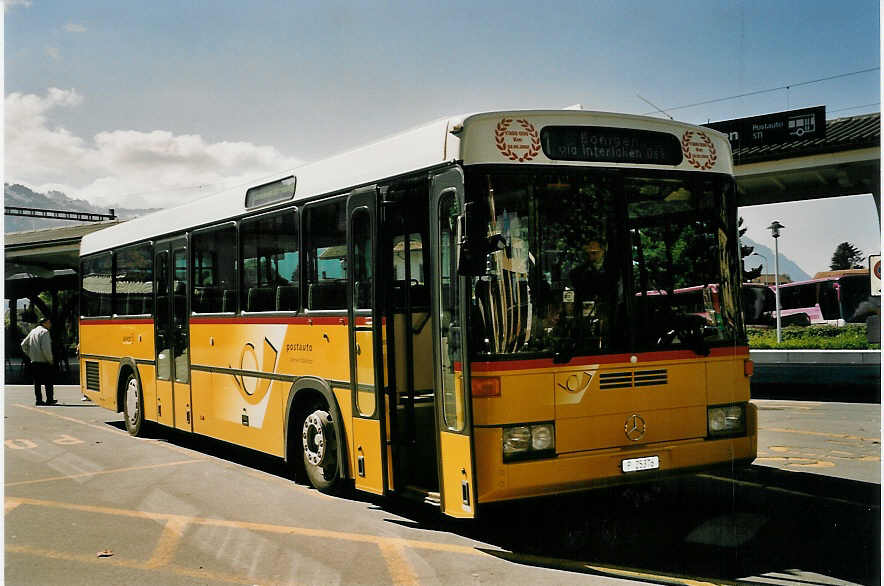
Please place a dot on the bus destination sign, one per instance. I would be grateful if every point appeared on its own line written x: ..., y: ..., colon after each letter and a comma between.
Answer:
x: 778, y: 128
x: 605, y: 144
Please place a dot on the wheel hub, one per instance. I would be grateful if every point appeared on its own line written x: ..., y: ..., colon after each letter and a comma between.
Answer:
x: 132, y: 401
x: 314, y: 440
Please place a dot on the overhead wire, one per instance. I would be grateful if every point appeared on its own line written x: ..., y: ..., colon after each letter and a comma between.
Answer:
x: 765, y: 91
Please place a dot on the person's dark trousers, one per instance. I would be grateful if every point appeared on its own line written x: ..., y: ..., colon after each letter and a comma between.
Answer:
x: 43, y: 374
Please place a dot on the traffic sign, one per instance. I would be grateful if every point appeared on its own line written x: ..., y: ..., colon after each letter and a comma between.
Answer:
x: 777, y: 128
x: 875, y: 274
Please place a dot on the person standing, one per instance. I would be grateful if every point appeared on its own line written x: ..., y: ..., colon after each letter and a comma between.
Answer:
x: 37, y: 346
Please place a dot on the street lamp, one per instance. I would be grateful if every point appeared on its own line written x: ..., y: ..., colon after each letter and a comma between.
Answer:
x: 775, y: 228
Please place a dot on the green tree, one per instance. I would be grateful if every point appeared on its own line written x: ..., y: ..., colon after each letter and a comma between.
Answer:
x: 745, y: 251
x: 846, y: 256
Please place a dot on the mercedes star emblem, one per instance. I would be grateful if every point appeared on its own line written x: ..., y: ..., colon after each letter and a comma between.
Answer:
x: 635, y: 427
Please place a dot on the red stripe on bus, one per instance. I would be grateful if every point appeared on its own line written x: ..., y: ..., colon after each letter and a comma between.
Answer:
x: 115, y: 322
x: 643, y: 358
x: 317, y: 321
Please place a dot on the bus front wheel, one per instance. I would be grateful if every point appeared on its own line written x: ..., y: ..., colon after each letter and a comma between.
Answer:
x: 133, y: 408
x: 319, y: 443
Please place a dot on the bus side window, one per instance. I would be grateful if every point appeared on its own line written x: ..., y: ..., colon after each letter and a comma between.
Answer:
x: 97, y: 285
x: 449, y: 325
x: 214, y: 270
x: 133, y: 280
x: 270, y: 262
x: 326, y: 245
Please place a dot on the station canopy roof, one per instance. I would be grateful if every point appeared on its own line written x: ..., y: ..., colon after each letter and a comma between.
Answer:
x: 846, y: 162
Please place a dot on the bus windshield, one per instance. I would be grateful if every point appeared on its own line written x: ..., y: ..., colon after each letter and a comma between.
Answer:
x: 596, y: 262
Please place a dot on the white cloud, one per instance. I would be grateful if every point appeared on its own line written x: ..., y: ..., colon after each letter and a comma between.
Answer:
x: 10, y: 3
x: 124, y: 168
x: 73, y: 27
x: 53, y: 52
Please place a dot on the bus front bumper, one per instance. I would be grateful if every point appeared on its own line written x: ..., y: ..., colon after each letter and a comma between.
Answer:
x: 579, y: 471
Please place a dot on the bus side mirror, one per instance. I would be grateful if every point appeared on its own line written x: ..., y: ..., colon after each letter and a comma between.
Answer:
x: 470, y: 256
x: 473, y: 246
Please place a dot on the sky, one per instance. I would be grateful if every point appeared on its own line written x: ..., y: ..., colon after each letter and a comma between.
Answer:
x: 149, y: 104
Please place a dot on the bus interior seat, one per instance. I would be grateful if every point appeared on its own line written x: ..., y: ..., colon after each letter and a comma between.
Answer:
x: 260, y: 299
x: 228, y: 301
x: 420, y: 295
x: 363, y: 294
x: 327, y: 295
x: 206, y: 298
x: 287, y: 298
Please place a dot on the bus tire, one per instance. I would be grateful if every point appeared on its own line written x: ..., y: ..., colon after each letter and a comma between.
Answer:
x: 319, y: 449
x: 133, y: 406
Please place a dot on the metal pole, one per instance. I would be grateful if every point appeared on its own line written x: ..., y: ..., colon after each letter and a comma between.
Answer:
x: 777, y: 287
x: 775, y: 228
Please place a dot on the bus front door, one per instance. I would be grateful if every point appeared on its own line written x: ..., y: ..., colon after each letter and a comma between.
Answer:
x: 171, y: 334
x: 451, y: 386
x: 365, y: 315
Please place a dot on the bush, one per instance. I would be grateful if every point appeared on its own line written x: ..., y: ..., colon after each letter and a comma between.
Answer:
x: 822, y: 337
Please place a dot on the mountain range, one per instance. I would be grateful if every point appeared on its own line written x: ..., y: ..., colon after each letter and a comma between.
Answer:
x: 787, y: 266
x: 21, y: 196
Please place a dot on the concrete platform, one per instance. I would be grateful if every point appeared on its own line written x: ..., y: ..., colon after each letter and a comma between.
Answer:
x: 817, y: 367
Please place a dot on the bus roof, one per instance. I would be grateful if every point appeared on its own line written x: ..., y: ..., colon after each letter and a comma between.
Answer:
x: 479, y: 138
x: 864, y: 274
x: 841, y: 273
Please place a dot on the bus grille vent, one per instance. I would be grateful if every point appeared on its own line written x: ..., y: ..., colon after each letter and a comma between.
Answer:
x: 92, y: 380
x: 615, y: 380
x: 628, y: 380
x: 648, y: 378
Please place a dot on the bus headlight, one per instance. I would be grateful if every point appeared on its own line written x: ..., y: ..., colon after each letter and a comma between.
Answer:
x: 529, y: 441
x: 543, y: 437
x: 726, y: 420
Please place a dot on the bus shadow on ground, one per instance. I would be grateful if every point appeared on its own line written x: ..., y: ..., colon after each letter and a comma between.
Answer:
x: 751, y: 523
x: 755, y: 523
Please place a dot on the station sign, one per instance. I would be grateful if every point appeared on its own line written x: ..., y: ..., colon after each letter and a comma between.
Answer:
x: 875, y: 274
x: 777, y: 128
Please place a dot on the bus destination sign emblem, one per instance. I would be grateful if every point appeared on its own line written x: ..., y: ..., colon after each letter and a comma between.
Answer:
x: 517, y: 140
x: 698, y: 150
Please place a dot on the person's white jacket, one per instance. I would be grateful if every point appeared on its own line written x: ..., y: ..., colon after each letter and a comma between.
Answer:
x: 37, y: 345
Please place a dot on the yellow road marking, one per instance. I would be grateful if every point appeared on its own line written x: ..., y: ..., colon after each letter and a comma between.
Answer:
x: 784, y: 490
x: 109, y: 428
x: 11, y: 503
x: 823, y: 434
x: 179, y: 449
x: 164, y: 552
x: 71, y: 419
x: 205, y: 575
x: 262, y: 527
x: 648, y: 577
x: 401, y: 571
x: 101, y: 472
x: 799, y: 461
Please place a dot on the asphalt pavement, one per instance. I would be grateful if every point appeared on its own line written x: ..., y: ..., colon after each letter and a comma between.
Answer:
x: 85, y: 503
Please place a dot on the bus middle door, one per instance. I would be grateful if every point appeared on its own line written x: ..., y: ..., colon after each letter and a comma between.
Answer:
x: 367, y: 378
x: 172, y: 334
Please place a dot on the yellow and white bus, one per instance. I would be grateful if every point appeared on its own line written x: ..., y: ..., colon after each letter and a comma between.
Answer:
x: 477, y: 310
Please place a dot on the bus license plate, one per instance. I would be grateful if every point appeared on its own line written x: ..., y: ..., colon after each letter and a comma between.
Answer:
x: 639, y: 464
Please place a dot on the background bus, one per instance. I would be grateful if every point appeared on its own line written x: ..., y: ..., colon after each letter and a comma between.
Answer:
x: 459, y: 313
x: 829, y: 298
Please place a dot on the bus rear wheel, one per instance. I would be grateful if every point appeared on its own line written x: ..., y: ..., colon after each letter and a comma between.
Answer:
x: 133, y: 406
x: 319, y: 445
